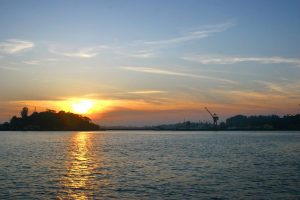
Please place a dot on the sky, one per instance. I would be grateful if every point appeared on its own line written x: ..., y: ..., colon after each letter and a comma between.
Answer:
x: 137, y: 62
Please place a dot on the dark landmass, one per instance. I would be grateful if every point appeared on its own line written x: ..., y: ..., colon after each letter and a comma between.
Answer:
x: 238, y: 123
x: 49, y: 120
x: 272, y: 122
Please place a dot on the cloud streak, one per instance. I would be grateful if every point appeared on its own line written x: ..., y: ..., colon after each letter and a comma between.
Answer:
x: 141, y: 49
x: 40, y: 61
x: 88, y: 52
x: 9, y: 68
x: 142, y: 54
x: 174, y: 73
x: 193, y: 35
x: 225, y: 60
x: 147, y: 92
x: 12, y: 46
x: 288, y: 90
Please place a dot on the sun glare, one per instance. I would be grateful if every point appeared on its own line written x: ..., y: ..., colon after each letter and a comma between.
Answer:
x: 82, y: 107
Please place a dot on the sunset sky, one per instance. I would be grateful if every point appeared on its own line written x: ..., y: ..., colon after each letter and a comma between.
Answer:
x: 137, y: 62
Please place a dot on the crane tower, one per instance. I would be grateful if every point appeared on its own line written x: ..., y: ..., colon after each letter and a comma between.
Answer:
x: 214, y: 116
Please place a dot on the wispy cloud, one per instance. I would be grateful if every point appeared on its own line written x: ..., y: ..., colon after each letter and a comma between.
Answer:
x: 13, y: 46
x: 9, y: 68
x: 142, y: 49
x: 40, y: 61
x: 272, y: 86
x: 199, y: 33
x: 147, y: 92
x: 223, y: 60
x: 142, y: 54
x: 88, y: 52
x: 174, y: 73
x: 265, y: 94
x: 287, y: 89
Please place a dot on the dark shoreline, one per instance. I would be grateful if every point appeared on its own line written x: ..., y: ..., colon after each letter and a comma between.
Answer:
x: 154, y: 130
x: 50, y: 120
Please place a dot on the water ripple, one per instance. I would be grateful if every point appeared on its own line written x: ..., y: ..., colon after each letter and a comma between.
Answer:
x: 149, y: 165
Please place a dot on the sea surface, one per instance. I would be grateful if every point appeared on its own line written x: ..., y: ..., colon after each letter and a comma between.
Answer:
x: 149, y: 165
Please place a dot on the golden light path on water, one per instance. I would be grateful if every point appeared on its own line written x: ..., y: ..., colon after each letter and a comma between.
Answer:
x: 79, y: 181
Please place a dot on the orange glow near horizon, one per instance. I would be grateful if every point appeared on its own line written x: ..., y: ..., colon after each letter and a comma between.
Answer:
x: 113, y: 111
x: 75, y: 105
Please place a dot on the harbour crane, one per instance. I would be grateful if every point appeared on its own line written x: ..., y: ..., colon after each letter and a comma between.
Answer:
x: 214, y: 116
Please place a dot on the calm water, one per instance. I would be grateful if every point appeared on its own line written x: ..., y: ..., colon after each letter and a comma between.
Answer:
x: 149, y: 165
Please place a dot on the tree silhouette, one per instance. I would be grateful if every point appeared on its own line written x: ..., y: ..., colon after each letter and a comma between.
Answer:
x: 24, y: 112
x: 49, y: 120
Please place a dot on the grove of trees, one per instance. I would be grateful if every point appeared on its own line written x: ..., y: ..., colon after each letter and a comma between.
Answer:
x: 49, y: 120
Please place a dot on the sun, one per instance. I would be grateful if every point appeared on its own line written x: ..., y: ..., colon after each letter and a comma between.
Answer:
x: 82, y: 107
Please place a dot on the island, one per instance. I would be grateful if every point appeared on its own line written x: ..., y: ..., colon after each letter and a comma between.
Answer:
x: 49, y: 120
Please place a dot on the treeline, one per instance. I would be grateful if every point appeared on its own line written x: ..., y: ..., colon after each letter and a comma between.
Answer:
x: 240, y: 122
x: 49, y: 120
x: 273, y: 122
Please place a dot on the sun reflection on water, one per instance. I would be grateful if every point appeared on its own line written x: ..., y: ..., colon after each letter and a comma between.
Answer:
x: 78, y: 182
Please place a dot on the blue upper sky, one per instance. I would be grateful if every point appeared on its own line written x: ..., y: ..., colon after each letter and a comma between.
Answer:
x: 174, y: 56
x: 260, y: 23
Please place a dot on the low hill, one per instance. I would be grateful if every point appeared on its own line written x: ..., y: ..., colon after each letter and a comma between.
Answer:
x: 49, y: 120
